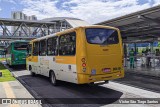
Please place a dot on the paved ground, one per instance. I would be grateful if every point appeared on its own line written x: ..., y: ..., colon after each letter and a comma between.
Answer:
x: 141, y: 81
x: 14, y: 89
x: 154, y: 70
x: 40, y: 87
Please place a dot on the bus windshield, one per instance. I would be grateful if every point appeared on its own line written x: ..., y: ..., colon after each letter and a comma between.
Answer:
x: 102, y: 36
x: 20, y: 46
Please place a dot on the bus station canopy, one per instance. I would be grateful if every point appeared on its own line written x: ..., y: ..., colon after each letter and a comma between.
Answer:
x: 141, y: 26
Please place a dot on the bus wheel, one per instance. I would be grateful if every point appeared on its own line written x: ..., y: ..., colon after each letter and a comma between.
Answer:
x: 53, y: 79
x: 32, y: 73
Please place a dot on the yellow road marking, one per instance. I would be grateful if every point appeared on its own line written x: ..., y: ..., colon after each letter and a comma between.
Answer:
x: 9, y: 93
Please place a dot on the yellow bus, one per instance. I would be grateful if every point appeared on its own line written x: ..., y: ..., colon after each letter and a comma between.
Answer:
x: 79, y: 55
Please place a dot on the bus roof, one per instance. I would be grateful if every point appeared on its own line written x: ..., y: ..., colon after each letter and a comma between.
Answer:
x: 15, y: 41
x: 72, y: 29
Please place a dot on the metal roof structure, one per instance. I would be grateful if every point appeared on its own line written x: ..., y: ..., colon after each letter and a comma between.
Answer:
x: 29, y: 23
x: 73, y: 22
x: 141, y: 26
x: 58, y: 19
x: 41, y: 28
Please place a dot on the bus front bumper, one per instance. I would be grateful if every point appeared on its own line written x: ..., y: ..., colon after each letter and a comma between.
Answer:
x: 22, y: 62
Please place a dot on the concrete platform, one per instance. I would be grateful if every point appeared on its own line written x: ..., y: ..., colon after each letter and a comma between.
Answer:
x: 145, y: 71
x: 14, y: 89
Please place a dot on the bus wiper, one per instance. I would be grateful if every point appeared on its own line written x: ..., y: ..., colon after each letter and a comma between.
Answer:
x: 105, y: 43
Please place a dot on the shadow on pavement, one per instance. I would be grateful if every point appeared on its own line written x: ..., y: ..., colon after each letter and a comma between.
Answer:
x: 18, y: 67
x: 84, y: 94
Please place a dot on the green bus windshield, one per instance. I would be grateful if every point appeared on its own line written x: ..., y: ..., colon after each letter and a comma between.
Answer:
x: 20, y: 46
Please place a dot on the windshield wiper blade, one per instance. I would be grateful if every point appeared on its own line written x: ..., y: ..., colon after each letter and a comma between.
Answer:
x: 105, y: 42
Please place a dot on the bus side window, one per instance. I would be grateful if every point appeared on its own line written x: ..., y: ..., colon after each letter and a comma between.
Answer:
x: 49, y: 46
x: 42, y: 48
x: 52, y: 46
x: 67, y: 44
x: 35, y: 48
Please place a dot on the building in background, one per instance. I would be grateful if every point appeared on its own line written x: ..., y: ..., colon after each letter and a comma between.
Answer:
x: 21, y: 16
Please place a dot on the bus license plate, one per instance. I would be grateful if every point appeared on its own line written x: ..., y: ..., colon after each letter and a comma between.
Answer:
x: 106, y: 70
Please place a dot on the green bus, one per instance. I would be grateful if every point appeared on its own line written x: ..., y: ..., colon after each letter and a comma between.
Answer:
x: 16, y: 53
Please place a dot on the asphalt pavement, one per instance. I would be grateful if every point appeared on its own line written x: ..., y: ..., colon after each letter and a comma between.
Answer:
x: 14, y: 90
x: 142, y: 81
x: 135, y: 87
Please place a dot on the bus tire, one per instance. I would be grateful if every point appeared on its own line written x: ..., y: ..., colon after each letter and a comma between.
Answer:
x: 32, y: 73
x: 53, y: 78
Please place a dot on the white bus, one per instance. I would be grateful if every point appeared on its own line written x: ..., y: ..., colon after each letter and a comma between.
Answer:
x: 80, y: 55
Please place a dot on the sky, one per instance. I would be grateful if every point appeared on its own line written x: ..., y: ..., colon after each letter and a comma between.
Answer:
x: 92, y: 11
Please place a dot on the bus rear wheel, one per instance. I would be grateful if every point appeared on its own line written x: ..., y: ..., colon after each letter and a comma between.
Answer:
x: 32, y: 73
x: 53, y: 79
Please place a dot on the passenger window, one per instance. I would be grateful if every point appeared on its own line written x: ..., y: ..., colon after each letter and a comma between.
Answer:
x: 67, y: 44
x: 52, y: 47
x: 42, y: 48
x: 35, y: 48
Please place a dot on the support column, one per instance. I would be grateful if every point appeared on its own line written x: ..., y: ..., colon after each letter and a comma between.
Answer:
x: 152, y: 57
x: 125, y: 54
x: 135, y: 59
x: 48, y: 30
x: 135, y: 49
x: 151, y: 47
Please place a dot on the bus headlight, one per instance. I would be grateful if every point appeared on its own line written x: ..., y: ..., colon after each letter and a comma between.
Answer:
x: 93, y: 72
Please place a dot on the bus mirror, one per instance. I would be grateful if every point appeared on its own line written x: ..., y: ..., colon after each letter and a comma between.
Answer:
x: 27, y: 49
x: 28, y: 54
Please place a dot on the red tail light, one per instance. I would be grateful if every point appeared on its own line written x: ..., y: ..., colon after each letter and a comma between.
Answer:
x: 84, y: 64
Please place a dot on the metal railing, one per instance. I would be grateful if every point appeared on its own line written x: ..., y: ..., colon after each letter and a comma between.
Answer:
x: 149, y: 65
x: 143, y: 61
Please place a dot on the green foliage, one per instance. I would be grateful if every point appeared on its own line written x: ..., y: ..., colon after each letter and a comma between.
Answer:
x: 6, y: 75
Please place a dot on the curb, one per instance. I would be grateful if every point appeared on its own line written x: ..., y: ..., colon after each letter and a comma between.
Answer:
x: 32, y: 92
x: 29, y: 89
